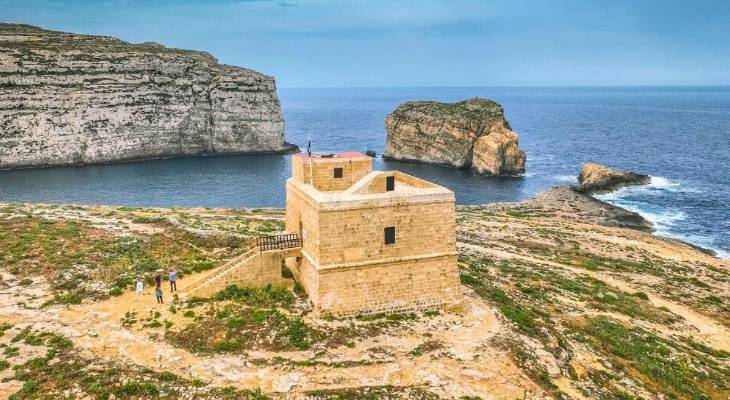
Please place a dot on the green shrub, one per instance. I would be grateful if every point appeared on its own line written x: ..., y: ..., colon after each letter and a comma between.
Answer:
x: 10, y: 351
x: 642, y: 295
x: 202, y: 266
x: 198, y: 383
x: 168, y: 376
x: 134, y: 388
x: 4, y: 327
x: 29, y: 388
x: 69, y: 298
x: 297, y: 334
x: 267, y: 296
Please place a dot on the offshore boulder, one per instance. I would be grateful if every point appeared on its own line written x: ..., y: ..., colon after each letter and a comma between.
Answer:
x: 600, y: 178
x: 469, y: 134
x: 69, y: 98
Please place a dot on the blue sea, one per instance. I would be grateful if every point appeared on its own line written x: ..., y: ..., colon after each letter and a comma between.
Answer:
x: 678, y: 135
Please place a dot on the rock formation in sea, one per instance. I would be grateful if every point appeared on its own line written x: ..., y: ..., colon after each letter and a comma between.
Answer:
x: 469, y: 134
x: 571, y: 202
x: 68, y: 98
x: 596, y: 177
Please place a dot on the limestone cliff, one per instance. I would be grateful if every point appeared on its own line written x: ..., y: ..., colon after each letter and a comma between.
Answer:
x: 75, y: 99
x: 468, y: 134
x: 596, y: 177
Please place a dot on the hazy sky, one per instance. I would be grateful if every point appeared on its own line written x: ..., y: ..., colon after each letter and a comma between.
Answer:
x: 423, y: 43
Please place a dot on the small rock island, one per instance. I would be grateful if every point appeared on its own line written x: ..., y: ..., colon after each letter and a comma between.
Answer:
x: 69, y: 99
x: 599, y: 178
x: 468, y: 134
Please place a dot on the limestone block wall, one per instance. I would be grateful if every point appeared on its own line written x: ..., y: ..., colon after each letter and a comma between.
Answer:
x: 322, y: 171
x: 306, y: 274
x: 376, y: 185
x: 421, y: 284
x: 260, y: 270
x: 355, y: 235
x: 301, y: 209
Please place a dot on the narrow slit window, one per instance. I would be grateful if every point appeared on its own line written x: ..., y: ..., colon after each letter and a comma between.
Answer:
x: 338, y: 173
x: 389, y: 183
x: 389, y: 233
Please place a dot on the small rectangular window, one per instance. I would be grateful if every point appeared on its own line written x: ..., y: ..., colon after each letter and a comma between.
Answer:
x: 338, y: 172
x: 389, y: 183
x: 389, y: 235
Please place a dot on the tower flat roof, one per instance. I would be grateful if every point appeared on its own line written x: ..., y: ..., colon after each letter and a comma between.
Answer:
x: 408, y: 189
x: 334, y: 156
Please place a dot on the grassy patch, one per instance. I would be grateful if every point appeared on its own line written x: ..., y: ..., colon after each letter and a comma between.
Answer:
x: 4, y: 327
x: 239, y: 319
x: 69, y: 370
x: 662, y: 365
x: 75, y: 257
x: 387, y: 392
x: 236, y: 328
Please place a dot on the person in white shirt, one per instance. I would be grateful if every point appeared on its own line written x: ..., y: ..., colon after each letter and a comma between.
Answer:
x: 138, y: 289
x: 173, y: 281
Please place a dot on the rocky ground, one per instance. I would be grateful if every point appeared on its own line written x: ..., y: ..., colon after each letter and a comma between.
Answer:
x: 561, y: 302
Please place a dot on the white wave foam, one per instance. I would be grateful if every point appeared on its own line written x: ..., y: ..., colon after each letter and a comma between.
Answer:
x: 616, y: 195
x: 566, y: 178
x: 659, y: 185
x: 663, y: 220
x: 662, y: 183
x: 721, y: 253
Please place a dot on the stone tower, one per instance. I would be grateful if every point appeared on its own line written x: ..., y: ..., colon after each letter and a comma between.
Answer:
x: 372, y: 241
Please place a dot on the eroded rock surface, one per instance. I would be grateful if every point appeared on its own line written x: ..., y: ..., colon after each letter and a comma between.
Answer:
x: 596, y: 177
x: 468, y: 134
x: 76, y: 99
x: 573, y: 203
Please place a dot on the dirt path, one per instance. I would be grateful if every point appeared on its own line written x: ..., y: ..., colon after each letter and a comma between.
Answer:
x: 466, y: 365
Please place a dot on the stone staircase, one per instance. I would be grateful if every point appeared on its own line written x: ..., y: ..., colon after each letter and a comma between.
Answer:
x: 258, y: 266
x: 211, y: 280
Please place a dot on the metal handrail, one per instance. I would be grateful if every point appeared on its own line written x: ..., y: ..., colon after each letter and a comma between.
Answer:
x: 279, y: 242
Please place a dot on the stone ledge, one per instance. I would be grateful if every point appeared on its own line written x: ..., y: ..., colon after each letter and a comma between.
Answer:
x: 373, y: 263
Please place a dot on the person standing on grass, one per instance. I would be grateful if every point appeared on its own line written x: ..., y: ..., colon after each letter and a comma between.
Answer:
x: 158, y: 293
x: 139, y: 287
x: 173, y: 281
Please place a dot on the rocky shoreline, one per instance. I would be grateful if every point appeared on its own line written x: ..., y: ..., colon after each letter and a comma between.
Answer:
x: 577, y: 201
x: 287, y: 148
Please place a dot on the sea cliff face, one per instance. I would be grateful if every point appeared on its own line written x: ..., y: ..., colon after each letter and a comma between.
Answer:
x: 468, y: 134
x: 76, y: 99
